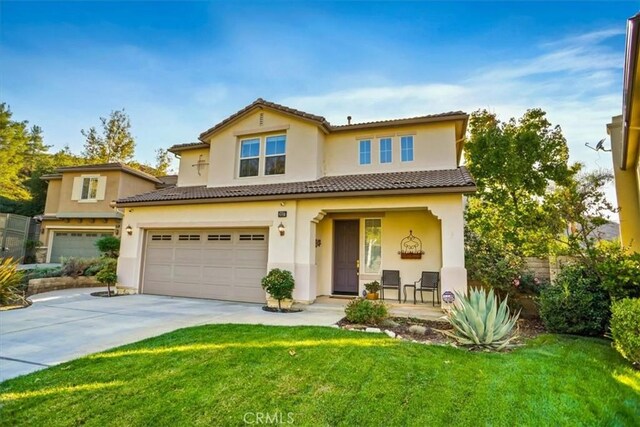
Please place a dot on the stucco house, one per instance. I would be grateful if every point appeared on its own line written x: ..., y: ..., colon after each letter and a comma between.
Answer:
x: 274, y: 187
x: 77, y: 210
x: 625, y: 143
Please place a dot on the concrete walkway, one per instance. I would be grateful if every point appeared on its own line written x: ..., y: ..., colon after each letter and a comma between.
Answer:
x: 64, y: 325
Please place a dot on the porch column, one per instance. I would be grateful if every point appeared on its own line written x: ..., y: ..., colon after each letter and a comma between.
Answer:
x: 305, y: 273
x: 453, y: 274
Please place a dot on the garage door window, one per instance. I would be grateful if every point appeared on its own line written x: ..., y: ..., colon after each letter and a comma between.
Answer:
x: 159, y: 237
x: 189, y: 237
x: 219, y: 237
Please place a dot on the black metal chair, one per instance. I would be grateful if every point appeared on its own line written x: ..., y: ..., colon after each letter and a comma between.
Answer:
x: 390, y: 280
x: 429, y: 282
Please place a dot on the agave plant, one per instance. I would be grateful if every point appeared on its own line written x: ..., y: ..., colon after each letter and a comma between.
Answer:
x: 479, y: 320
x: 10, y: 279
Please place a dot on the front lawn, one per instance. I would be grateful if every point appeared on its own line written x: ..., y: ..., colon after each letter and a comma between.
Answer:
x: 237, y: 374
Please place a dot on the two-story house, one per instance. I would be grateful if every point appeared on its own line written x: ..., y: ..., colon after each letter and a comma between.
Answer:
x: 78, y: 212
x: 274, y: 187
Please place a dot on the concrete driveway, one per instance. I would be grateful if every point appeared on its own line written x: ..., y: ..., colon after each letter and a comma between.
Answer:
x: 64, y: 325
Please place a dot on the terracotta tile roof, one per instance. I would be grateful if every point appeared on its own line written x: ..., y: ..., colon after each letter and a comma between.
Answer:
x: 109, y: 167
x: 458, y: 179
x: 262, y: 103
x: 188, y: 146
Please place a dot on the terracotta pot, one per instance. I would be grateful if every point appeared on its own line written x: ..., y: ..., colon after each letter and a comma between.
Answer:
x: 372, y: 295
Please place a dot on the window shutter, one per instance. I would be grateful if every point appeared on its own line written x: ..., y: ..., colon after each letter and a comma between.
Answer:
x: 76, y: 190
x: 102, y: 187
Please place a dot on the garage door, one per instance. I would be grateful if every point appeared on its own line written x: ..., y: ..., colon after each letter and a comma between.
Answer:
x: 216, y: 264
x: 77, y: 244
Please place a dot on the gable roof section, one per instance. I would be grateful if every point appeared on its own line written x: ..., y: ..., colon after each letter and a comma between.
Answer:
x: 177, y: 148
x: 261, y: 103
x: 108, y: 167
x: 457, y: 180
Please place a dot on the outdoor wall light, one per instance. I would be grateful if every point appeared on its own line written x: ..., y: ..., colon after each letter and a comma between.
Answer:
x: 281, y: 229
x: 129, y: 230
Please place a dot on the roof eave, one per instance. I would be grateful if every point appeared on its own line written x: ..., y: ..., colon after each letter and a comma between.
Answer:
x: 630, y: 74
x: 364, y: 193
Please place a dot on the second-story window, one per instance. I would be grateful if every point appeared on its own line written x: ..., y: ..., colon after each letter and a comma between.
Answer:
x: 275, y: 157
x: 406, y: 148
x: 249, y: 157
x: 365, y: 152
x: 385, y: 150
x: 89, y: 188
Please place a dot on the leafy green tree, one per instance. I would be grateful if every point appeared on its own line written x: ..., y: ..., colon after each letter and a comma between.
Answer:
x: 515, y: 164
x: 115, y: 144
x: 163, y: 162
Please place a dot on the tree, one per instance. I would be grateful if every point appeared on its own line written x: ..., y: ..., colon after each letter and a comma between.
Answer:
x: 515, y: 164
x: 163, y: 162
x: 115, y: 144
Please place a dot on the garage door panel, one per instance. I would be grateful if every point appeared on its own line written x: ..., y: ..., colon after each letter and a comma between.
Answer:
x: 218, y: 264
x: 160, y: 254
x: 217, y: 275
x: 188, y: 256
x: 218, y: 256
x: 77, y: 244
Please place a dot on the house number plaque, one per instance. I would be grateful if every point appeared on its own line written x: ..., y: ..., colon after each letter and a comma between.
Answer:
x: 282, y: 214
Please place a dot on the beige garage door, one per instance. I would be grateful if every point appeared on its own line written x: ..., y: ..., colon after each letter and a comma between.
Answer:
x: 216, y: 264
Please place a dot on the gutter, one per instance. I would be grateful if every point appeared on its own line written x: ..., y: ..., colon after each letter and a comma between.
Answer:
x: 631, y: 65
x: 365, y: 193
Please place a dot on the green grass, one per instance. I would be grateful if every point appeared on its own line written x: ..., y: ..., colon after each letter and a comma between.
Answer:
x: 214, y: 375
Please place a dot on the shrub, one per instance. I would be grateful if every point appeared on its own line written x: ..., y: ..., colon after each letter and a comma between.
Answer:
x: 10, y: 281
x: 619, y: 270
x: 93, y: 269
x: 576, y: 303
x: 366, y: 311
x: 479, y: 320
x: 279, y: 284
x: 625, y: 328
x: 109, y: 246
x: 74, y: 267
x: 108, y: 273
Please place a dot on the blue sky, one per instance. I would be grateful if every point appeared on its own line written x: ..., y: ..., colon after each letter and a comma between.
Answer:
x: 179, y: 68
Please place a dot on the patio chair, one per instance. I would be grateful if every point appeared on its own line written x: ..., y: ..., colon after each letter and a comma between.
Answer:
x: 429, y: 282
x: 390, y: 280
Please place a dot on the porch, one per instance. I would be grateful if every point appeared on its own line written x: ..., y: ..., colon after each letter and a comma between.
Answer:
x: 419, y: 310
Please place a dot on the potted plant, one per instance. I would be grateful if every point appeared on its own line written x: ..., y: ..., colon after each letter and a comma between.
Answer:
x: 279, y: 285
x: 372, y: 289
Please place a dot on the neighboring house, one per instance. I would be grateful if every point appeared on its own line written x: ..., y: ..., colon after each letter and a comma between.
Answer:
x: 273, y: 187
x: 78, y: 209
x: 625, y: 143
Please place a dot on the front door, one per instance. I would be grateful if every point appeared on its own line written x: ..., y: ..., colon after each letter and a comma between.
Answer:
x: 346, y: 240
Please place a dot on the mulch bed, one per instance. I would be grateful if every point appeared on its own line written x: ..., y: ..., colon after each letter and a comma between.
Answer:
x: 105, y: 294
x: 527, y: 329
x: 281, y: 310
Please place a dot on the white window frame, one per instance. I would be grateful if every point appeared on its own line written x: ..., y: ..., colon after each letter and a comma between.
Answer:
x: 275, y: 155
x: 89, y: 178
x: 413, y: 154
x: 259, y: 157
x: 390, y: 149
x: 360, y: 141
x: 364, y: 246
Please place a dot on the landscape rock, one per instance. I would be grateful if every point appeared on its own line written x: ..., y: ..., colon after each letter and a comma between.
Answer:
x: 388, y: 323
x: 417, y: 329
x: 373, y: 330
x: 391, y: 334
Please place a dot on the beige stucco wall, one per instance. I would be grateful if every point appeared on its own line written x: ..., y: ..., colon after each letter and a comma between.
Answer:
x: 434, y: 147
x: 53, y: 196
x: 627, y: 190
x: 66, y: 205
x: 296, y: 251
x: 130, y: 185
x: 187, y: 173
x: 302, y: 149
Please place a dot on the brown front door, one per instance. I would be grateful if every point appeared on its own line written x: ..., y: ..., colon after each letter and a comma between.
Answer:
x: 346, y: 240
